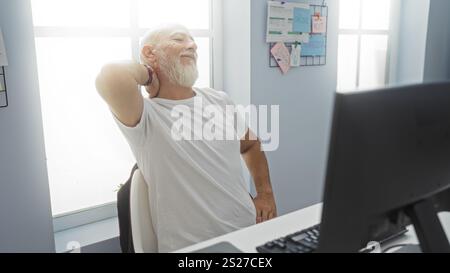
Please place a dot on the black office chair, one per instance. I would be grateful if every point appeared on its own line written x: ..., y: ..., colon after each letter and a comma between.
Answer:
x: 135, y: 224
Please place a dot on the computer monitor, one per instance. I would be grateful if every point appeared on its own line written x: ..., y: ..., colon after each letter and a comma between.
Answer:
x: 388, y: 166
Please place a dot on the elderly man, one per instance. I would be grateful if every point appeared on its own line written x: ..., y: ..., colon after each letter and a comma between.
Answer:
x: 197, y: 189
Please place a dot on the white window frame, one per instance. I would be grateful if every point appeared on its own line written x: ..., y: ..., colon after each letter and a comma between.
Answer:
x: 215, y: 34
x: 392, y: 47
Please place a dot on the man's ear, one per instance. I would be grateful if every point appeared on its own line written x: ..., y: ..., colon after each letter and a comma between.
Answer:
x: 147, y: 52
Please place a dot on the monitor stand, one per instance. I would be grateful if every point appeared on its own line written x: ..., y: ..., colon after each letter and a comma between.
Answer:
x: 428, y: 227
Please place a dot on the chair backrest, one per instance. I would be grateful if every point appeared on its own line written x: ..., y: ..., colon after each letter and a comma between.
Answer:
x: 143, y: 234
x: 123, y: 211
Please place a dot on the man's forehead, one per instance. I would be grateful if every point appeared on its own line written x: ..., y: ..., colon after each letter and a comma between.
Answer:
x: 183, y: 32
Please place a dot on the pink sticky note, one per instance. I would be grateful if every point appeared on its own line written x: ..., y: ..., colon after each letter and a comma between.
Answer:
x: 319, y: 24
x: 281, y: 54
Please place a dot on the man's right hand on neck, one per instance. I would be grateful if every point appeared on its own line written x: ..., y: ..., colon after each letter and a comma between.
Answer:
x: 153, y: 88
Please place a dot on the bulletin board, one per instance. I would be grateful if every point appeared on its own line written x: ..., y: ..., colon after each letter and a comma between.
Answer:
x: 3, y: 89
x: 309, y: 58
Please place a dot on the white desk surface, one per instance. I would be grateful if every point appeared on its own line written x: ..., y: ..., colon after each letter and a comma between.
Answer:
x: 248, y: 239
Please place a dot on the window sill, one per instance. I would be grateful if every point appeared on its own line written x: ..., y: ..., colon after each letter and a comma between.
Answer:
x: 86, y: 235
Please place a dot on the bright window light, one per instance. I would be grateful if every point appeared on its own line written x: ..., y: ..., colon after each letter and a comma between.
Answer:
x: 373, y: 61
x: 348, y: 62
x: 81, y: 13
x: 349, y: 14
x: 376, y: 14
x: 177, y: 11
x: 203, y: 62
x: 87, y: 158
x: 363, y: 44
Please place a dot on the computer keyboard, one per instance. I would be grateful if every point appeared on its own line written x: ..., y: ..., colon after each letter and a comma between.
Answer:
x: 304, y: 241
x: 307, y: 241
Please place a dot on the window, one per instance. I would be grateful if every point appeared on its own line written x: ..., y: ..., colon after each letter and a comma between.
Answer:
x: 364, y: 42
x: 87, y: 156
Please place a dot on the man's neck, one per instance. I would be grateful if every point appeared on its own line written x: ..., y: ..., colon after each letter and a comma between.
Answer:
x: 172, y: 91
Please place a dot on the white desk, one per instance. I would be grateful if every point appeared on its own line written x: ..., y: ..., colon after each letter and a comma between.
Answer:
x: 248, y: 239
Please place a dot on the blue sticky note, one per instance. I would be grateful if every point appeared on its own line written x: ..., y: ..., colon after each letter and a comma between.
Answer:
x: 315, y: 46
x: 302, y: 20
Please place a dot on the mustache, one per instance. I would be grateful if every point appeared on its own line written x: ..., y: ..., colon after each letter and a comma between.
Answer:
x: 193, y: 55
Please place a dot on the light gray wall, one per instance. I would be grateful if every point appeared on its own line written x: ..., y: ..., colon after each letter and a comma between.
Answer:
x: 25, y: 212
x: 424, y: 42
x: 412, y: 34
x: 236, y: 47
x: 305, y: 96
x: 437, y: 66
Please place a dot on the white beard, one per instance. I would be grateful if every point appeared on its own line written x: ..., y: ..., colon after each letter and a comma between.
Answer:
x: 183, y: 75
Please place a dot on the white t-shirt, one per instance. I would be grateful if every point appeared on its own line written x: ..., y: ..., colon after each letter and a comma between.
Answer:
x: 197, y: 189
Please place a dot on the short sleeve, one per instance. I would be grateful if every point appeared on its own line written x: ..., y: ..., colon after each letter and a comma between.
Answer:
x: 241, y: 115
x: 137, y: 136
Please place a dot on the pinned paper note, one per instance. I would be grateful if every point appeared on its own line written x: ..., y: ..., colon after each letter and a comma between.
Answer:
x: 2, y: 85
x: 3, y: 59
x: 315, y: 47
x: 280, y: 22
x: 302, y: 20
x: 319, y: 24
x: 281, y: 54
x: 295, y: 55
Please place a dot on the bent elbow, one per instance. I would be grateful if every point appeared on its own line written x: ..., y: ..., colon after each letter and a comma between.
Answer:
x: 104, y: 78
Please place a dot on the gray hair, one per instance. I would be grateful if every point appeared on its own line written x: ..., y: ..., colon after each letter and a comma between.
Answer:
x: 154, y: 36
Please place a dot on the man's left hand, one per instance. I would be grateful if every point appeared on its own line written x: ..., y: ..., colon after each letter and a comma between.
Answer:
x: 265, y: 207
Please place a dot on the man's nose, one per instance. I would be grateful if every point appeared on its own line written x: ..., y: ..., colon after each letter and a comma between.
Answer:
x: 192, y: 46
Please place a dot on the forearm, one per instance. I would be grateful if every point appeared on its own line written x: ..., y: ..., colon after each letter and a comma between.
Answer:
x: 121, y: 77
x: 118, y: 84
x: 258, y: 167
